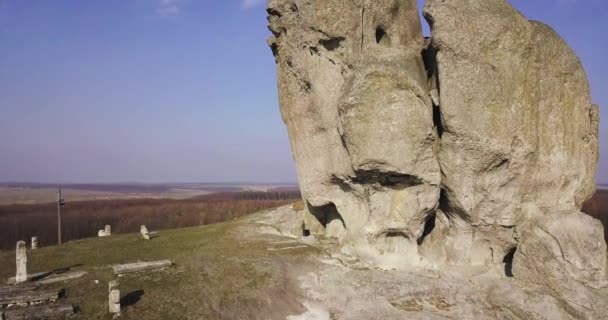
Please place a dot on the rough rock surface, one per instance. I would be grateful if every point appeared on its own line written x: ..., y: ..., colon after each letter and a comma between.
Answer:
x: 354, y: 95
x: 331, y: 288
x: 473, y: 149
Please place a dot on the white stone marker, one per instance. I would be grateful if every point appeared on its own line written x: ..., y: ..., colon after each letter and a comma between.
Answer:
x: 21, y: 259
x: 105, y: 232
x: 144, y: 232
x: 113, y: 297
x: 35, y: 243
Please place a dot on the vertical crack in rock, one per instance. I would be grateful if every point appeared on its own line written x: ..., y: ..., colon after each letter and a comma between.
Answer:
x: 429, y: 226
x: 361, y: 26
x: 437, y: 120
x: 508, y: 261
x: 450, y: 209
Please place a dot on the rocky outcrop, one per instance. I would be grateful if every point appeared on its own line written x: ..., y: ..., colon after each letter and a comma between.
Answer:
x: 354, y: 95
x: 474, y: 148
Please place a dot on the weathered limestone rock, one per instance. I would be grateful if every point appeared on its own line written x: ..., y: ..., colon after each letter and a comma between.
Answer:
x: 35, y: 243
x: 470, y: 149
x: 353, y: 93
x: 571, y: 263
x: 21, y: 259
x: 518, y: 148
x: 113, y: 297
x: 518, y: 128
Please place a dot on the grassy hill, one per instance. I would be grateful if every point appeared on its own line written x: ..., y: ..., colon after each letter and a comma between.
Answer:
x: 215, y: 275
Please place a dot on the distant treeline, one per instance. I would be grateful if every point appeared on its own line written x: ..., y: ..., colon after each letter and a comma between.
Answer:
x: 251, y: 195
x: 134, y: 188
x: 83, y: 219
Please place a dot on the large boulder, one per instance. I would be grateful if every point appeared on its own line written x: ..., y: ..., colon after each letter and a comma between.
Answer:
x: 519, y: 131
x: 468, y: 149
x: 353, y: 90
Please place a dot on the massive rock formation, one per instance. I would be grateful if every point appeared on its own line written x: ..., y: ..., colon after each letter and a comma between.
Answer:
x: 354, y: 95
x: 476, y: 147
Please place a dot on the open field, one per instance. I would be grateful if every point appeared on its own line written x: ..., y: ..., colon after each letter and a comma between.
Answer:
x: 35, y: 193
x: 214, y: 276
x: 83, y: 219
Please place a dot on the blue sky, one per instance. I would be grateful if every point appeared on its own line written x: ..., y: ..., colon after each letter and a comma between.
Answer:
x: 176, y: 90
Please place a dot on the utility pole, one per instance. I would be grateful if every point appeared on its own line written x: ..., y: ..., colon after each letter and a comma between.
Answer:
x: 60, y: 203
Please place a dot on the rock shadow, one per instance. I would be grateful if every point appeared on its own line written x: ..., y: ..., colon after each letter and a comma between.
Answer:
x: 131, y: 298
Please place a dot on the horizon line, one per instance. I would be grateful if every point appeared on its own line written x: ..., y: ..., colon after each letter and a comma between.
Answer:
x: 147, y: 183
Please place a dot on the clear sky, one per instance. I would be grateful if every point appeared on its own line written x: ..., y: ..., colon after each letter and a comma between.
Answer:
x: 177, y: 90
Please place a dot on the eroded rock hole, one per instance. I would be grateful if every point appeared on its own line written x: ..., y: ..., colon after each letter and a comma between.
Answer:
x: 382, y: 37
x: 387, y: 179
x: 306, y: 86
x: 305, y: 232
x: 508, y: 261
x: 331, y: 43
x: 331, y: 220
x: 429, y: 225
x: 393, y: 234
x: 275, y: 49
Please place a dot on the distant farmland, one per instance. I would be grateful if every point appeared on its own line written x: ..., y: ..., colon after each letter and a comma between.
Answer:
x: 83, y: 219
x: 34, y: 193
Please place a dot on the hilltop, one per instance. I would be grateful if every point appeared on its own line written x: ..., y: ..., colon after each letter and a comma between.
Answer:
x: 214, y: 276
x: 260, y: 267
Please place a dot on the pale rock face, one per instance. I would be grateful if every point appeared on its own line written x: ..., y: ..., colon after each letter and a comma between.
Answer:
x: 470, y: 149
x: 353, y: 92
x: 570, y: 248
x: 518, y: 126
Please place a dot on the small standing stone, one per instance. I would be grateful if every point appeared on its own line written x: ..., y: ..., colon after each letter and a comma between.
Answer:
x: 21, y: 259
x: 144, y: 232
x: 105, y: 232
x: 114, y: 297
x: 35, y: 243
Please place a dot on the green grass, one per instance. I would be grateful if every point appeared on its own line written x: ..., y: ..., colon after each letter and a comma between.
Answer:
x: 215, y: 275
